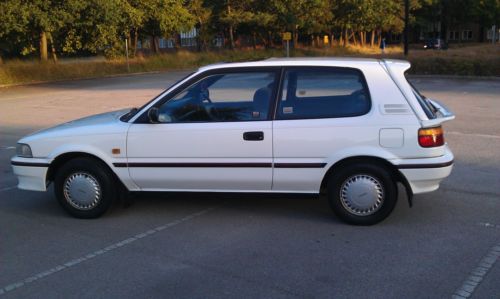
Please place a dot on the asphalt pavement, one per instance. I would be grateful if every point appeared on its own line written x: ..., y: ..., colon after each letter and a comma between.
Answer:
x: 186, y: 245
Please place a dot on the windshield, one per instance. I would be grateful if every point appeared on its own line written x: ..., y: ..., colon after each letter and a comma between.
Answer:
x: 126, y: 117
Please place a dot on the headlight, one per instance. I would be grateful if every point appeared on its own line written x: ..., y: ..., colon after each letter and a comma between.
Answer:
x: 23, y: 150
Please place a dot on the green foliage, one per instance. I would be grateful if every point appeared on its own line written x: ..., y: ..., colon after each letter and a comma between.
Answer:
x: 76, y: 27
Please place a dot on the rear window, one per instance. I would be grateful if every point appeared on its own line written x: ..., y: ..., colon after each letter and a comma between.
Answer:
x: 323, y: 93
x: 429, y: 110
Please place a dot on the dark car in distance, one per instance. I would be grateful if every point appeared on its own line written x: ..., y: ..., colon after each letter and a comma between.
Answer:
x: 436, y: 43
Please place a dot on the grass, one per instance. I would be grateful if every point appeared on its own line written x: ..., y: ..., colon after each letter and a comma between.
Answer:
x: 477, y: 60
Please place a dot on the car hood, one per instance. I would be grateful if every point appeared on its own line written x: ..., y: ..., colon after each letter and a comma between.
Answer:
x: 104, y: 123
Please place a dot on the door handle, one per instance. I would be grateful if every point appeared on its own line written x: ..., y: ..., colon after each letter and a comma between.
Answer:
x: 253, y: 136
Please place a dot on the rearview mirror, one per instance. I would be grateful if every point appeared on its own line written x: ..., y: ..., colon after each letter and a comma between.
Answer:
x: 153, y: 114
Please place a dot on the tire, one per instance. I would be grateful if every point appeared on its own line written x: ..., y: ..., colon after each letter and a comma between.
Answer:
x: 349, y: 191
x: 85, y: 187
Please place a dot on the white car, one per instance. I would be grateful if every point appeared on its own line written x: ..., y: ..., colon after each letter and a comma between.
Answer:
x: 350, y: 128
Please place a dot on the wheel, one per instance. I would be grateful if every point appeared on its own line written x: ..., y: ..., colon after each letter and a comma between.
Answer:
x: 85, y: 187
x: 362, y: 194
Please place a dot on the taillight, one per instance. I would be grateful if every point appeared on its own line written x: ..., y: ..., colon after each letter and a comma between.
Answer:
x: 431, y: 137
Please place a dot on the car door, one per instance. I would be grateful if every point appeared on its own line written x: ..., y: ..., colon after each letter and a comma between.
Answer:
x: 215, y: 134
x: 320, y: 113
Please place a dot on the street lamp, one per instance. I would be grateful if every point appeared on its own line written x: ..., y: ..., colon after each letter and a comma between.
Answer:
x: 407, y: 15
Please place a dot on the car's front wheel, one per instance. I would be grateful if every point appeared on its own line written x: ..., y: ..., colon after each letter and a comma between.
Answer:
x: 362, y: 194
x: 85, y: 187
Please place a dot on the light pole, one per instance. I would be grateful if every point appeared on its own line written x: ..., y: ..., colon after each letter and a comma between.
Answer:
x: 407, y: 16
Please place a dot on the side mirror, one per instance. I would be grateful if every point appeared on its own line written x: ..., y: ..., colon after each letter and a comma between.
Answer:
x: 153, y: 115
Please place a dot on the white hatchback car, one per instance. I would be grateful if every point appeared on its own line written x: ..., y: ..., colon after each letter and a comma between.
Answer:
x: 351, y: 128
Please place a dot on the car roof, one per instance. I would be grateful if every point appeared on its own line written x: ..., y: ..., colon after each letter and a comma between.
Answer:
x: 300, y: 61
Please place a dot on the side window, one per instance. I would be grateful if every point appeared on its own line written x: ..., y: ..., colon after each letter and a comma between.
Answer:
x: 323, y: 93
x: 242, y: 96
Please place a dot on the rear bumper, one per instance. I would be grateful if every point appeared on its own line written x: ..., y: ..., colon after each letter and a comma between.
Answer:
x: 425, y: 175
x: 31, y: 173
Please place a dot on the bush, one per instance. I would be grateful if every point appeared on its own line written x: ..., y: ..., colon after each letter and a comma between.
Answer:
x: 483, y: 60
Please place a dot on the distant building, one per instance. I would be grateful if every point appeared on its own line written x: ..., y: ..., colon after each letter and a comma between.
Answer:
x: 186, y: 40
x: 463, y: 33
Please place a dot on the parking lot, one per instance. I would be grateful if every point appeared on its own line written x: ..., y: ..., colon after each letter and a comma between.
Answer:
x: 249, y: 246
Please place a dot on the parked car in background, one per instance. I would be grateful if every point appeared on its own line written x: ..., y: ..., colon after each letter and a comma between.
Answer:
x: 349, y: 128
x: 436, y: 44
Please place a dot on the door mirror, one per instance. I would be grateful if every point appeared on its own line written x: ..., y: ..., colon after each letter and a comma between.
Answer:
x: 153, y: 115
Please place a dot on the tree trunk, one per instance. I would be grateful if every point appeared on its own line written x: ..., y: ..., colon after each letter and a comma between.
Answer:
x: 156, y: 47
x: 53, y: 49
x: 134, y: 46
x: 332, y: 39
x: 355, y: 41
x: 231, y: 29
x: 318, y: 41
x: 231, y: 37
x: 262, y: 39
x: 43, y: 46
x: 198, y: 42
x: 177, y: 39
x: 270, y: 41
x: 372, y: 41
x: 254, y: 40
x: 295, y: 38
x: 346, y: 38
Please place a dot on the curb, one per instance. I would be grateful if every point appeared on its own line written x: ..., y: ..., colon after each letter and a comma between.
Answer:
x: 86, y: 78
x: 454, y: 77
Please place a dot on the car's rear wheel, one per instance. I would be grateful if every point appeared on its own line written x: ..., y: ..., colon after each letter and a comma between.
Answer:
x: 362, y: 194
x: 85, y: 187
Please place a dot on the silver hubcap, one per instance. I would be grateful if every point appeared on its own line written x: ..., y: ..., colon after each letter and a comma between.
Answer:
x: 82, y: 191
x: 362, y: 195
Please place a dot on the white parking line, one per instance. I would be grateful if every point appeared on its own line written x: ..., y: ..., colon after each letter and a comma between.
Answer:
x: 489, y: 225
x: 8, y: 188
x: 476, y: 276
x: 7, y: 147
x: 74, y: 262
x: 472, y: 134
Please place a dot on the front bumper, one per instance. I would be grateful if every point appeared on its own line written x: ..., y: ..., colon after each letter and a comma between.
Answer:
x: 425, y: 175
x: 31, y: 173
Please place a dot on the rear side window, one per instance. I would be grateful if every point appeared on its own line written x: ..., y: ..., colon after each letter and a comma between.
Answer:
x: 424, y: 103
x: 323, y: 93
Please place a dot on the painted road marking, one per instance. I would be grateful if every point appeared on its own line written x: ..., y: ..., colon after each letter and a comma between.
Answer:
x: 8, y: 188
x: 477, y: 275
x: 7, y: 147
x: 489, y: 225
x: 75, y: 262
x: 472, y: 134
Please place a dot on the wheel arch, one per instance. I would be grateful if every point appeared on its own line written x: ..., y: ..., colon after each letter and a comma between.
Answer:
x: 393, y: 170
x: 63, y: 158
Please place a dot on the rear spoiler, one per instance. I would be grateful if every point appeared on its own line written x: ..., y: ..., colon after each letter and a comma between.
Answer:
x: 396, y: 70
x: 443, y: 114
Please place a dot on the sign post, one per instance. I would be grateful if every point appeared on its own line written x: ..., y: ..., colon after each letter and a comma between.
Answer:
x: 287, y: 36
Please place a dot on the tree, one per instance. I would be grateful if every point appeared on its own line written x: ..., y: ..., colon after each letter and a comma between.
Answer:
x: 305, y: 16
x: 13, y: 26
x: 164, y: 18
x: 203, y: 17
x: 35, y: 22
x: 134, y: 18
x: 487, y: 13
